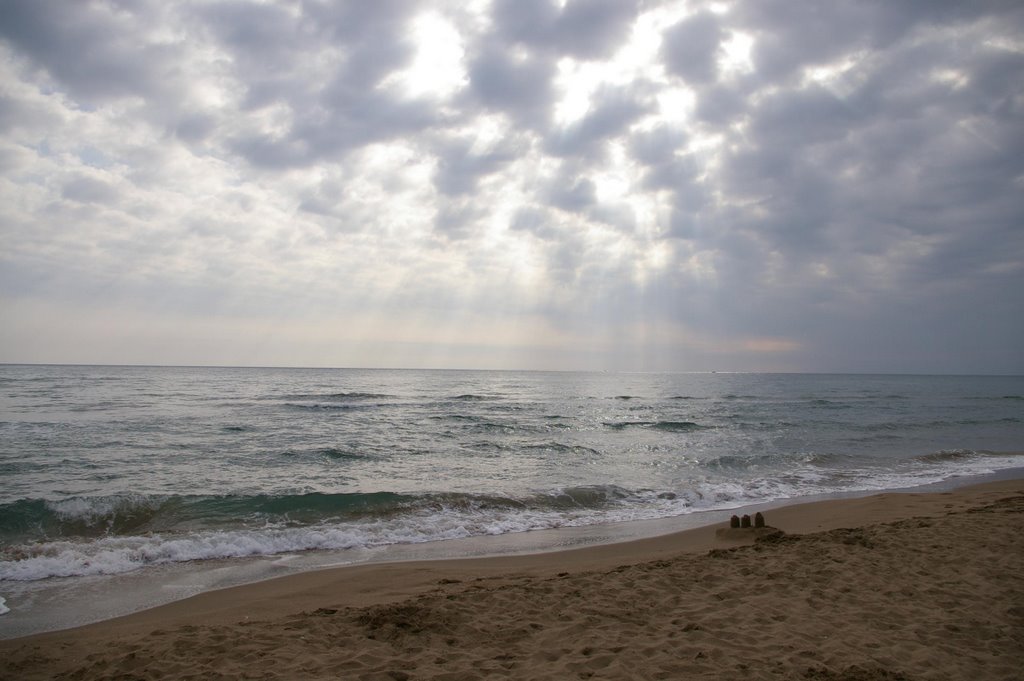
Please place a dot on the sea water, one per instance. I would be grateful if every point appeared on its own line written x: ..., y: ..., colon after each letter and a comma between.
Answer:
x: 108, y: 471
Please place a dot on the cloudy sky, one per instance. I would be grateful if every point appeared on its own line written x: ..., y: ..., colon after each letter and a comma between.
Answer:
x: 592, y: 184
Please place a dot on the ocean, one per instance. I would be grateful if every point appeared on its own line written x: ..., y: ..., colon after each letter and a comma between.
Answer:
x: 116, y: 479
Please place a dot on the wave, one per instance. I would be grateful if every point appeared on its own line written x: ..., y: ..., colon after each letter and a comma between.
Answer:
x: 739, y: 421
x: 560, y: 448
x: 478, y: 426
x: 828, y: 404
x: 334, y: 397
x: 132, y: 514
x: 334, y: 401
x: 326, y: 406
x: 897, y: 426
x: 110, y: 535
x: 409, y: 519
x: 787, y: 460
x: 77, y: 516
x: 336, y: 453
x: 666, y: 426
x: 491, y: 427
x: 983, y: 422
x: 951, y: 455
x: 997, y: 397
x: 91, y: 517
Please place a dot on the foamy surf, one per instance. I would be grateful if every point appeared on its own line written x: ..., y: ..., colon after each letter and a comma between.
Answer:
x: 100, y: 536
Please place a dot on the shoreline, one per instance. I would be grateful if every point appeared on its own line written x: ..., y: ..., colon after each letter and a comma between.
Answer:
x: 69, y: 604
x: 121, y: 597
x: 369, y: 587
x: 896, y: 585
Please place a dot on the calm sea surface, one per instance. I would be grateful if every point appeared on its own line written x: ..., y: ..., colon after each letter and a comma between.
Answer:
x: 107, y: 470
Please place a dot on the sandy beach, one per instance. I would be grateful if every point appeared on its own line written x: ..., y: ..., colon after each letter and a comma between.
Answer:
x: 892, y: 586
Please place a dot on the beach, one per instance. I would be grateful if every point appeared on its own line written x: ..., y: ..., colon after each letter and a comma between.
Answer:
x: 920, y: 585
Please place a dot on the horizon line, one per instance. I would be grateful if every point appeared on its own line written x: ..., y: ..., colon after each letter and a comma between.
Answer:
x: 467, y: 369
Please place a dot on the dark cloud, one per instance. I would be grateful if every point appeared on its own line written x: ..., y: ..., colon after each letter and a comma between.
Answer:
x: 861, y: 202
x: 511, y: 69
x: 460, y: 167
x: 527, y: 22
x: 17, y: 114
x: 804, y: 118
x: 657, y: 145
x: 518, y: 86
x: 584, y: 29
x: 334, y: 128
x: 676, y: 172
x: 669, y: 167
x: 372, y: 36
x: 720, y: 104
x: 456, y: 218
x: 536, y: 220
x: 611, y: 112
x: 575, y: 194
x: 690, y: 48
x: 93, y: 49
x: 888, y: 140
x: 261, y: 38
x: 14, y: 159
x: 593, y: 28
x: 355, y: 45
x: 792, y: 35
x: 326, y: 199
x: 565, y: 250
x: 193, y: 128
x: 572, y: 194
x: 88, y: 190
x: 272, y: 47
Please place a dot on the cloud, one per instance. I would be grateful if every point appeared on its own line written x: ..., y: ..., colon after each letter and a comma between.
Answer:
x: 691, y: 48
x: 770, y: 185
x: 517, y: 86
x: 611, y: 112
x: 88, y: 190
x: 583, y: 29
x: 461, y: 163
x: 572, y: 194
x: 95, y: 50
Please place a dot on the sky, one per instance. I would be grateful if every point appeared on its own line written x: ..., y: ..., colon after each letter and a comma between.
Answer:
x: 769, y: 185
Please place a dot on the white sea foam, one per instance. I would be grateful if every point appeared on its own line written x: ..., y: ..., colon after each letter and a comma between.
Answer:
x: 461, y: 518
x: 119, y: 554
x: 3, y: 606
x: 114, y: 555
